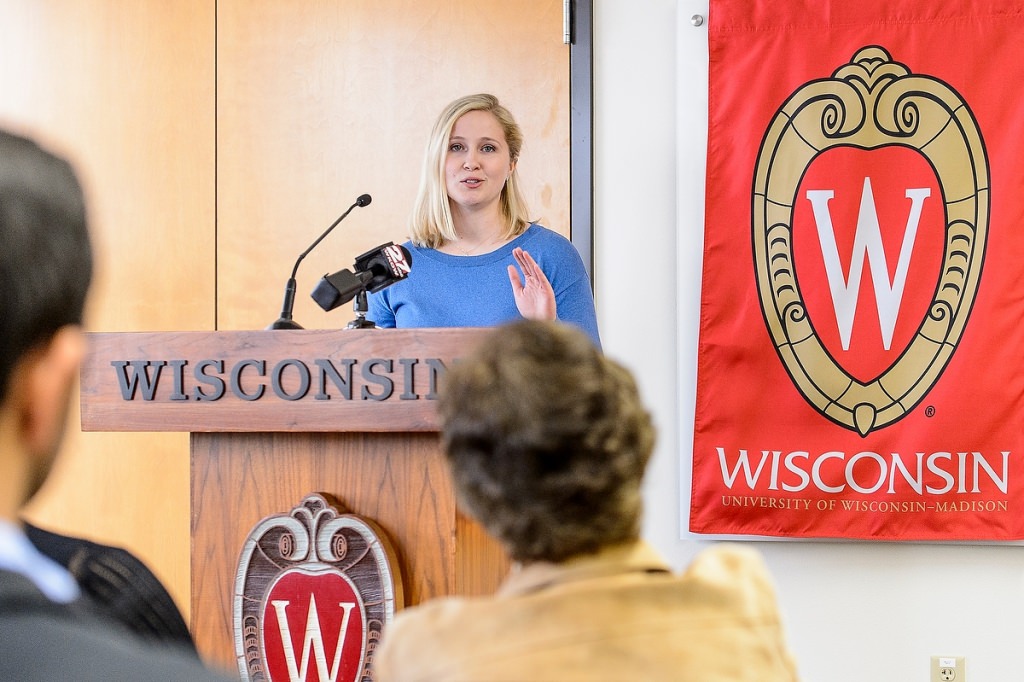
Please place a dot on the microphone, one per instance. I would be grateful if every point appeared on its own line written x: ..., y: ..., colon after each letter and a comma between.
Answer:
x: 374, y: 270
x: 285, y: 321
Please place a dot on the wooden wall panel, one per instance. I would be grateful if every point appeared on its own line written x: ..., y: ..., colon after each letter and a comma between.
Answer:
x: 125, y: 90
x: 216, y: 140
x: 319, y: 102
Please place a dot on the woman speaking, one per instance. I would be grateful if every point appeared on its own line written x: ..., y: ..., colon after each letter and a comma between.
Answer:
x: 478, y: 260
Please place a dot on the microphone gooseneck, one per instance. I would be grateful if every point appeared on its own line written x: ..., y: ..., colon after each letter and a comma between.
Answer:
x: 285, y: 321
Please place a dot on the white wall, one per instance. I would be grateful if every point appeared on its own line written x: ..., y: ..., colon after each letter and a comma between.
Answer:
x: 854, y: 611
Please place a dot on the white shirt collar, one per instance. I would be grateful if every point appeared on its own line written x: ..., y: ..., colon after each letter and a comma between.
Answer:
x: 18, y: 554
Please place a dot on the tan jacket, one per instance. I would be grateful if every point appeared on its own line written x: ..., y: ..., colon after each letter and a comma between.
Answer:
x: 620, y: 615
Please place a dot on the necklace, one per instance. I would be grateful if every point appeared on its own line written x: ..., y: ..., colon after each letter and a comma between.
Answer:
x: 474, y: 249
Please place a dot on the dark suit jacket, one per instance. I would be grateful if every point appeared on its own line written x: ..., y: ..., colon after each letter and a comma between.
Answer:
x: 119, y: 584
x: 44, y: 641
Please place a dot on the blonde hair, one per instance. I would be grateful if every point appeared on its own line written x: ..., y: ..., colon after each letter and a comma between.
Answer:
x: 431, y: 223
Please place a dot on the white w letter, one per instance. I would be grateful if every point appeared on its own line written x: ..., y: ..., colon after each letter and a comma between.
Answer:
x: 867, y: 245
x: 313, y: 638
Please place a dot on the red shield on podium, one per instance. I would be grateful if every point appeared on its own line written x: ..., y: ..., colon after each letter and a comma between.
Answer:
x: 314, y: 590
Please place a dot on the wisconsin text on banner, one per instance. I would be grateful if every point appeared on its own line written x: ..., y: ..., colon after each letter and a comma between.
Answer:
x: 859, y: 370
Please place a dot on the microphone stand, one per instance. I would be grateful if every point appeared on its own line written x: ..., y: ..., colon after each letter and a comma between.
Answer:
x: 285, y: 321
x: 361, y: 307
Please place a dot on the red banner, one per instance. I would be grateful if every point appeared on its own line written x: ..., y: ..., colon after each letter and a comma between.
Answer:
x: 862, y: 312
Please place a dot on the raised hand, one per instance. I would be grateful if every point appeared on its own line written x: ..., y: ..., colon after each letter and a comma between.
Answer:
x: 534, y: 297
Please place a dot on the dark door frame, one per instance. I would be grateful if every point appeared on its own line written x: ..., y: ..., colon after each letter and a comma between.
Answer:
x: 581, y: 127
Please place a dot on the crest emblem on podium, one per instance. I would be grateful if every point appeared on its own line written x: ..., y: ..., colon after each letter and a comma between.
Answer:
x: 313, y: 592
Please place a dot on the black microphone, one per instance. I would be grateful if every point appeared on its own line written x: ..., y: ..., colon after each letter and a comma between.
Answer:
x: 286, y: 321
x: 374, y: 270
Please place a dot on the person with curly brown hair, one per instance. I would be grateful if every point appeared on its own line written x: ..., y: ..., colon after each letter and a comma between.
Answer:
x: 547, y: 442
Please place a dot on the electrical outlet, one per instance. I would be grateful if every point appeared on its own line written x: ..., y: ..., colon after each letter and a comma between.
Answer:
x: 949, y: 669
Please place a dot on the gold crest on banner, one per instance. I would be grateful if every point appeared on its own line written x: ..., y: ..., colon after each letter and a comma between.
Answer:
x: 870, y: 103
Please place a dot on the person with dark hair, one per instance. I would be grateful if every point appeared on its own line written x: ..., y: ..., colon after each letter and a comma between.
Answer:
x: 547, y: 442
x: 48, y: 631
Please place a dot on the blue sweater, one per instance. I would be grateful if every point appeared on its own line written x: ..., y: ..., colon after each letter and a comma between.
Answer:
x: 474, y: 291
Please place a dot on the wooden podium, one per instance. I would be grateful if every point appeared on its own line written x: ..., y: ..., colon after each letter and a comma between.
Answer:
x: 275, y: 415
